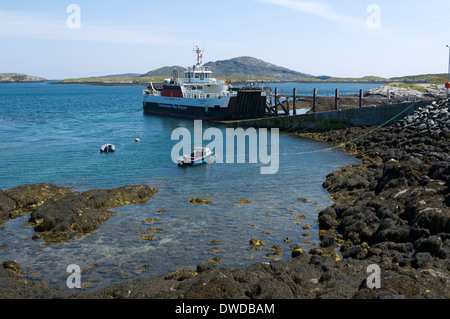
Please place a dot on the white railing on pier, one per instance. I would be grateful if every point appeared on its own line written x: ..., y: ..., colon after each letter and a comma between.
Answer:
x: 202, y: 95
x: 195, y: 94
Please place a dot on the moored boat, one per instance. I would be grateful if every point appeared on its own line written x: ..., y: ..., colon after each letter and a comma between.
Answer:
x: 199, y: 155
x: 200, y: 96
x: 107, y: 148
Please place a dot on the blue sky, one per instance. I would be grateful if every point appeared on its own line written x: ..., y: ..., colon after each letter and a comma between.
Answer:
x: 338, y: 38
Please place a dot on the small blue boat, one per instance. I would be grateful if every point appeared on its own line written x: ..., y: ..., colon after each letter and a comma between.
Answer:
x: 199, y: 155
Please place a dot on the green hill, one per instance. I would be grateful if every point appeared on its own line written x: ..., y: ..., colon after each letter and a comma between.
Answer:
x: 251, y: 67
x: 423, y: 78
x: 18, y: 78
x: 165, y: 71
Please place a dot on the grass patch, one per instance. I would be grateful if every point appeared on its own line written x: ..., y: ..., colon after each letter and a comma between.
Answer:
x: 409, y: 86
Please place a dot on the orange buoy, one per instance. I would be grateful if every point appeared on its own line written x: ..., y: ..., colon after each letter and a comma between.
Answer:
x: 137, y: 140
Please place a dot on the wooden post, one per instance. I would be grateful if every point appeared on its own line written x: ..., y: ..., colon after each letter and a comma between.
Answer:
x: 314, y: 100
x: 294, y: 97
x: 336, y: 100
x: 276, y: 101
x: 361, y: 98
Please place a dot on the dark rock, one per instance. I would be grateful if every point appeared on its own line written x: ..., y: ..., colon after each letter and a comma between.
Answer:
x: 327, y: 219
x: 340, y: 210
x: 412, y: 208
x: 205, y: 266
x: 398, y: 174
x: 387, y: 211
x: 32, y: 195
x: 297, y: 252
x: 269, y: 288
x: 433, y: 219
x: 7, y: 205
x: 389, y: 230
x: 11, y: 265
x: 213, y: 285
x: 355, y: 252
x: 431, y: 245
x: 116, y: 197
x: 400, y: 247
x: 329, y: 240
x: 440, y: 170
x: 422, y: 260
x: 64, y: 218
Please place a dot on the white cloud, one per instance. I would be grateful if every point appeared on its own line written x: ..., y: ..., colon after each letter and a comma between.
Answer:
x: 317, y: 9
x: 23, y: 24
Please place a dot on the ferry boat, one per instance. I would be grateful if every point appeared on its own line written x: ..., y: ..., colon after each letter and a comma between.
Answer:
x: 200, y: 96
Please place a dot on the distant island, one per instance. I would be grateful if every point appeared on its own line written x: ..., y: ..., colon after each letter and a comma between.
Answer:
x: 19, y: 78
x: 244, y: 69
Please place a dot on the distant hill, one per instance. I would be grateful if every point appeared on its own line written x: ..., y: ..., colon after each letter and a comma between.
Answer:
x: 422, y: 78
x: 165, y: 71
x: 19, y: 77
x: 128, y: 75
x: 244, y: 66
x: 248, y: 66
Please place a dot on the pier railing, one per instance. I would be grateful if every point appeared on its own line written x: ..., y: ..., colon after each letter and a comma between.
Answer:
x: 202, y: 95
x: 280, y: 102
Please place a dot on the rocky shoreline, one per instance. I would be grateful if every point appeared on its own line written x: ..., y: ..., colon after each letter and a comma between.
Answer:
x: 408, y: 92
x: 392, y: 211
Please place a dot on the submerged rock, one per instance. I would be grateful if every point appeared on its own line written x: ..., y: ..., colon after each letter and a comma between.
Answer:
x: 57, y: 214
x: 116, y: 197
x: 196, y: 201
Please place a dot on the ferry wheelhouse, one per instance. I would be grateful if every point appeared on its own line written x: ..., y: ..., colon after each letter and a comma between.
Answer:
x: 200, y: 96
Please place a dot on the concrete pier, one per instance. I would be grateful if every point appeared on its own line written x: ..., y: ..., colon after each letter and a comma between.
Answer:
x: 366, y: 116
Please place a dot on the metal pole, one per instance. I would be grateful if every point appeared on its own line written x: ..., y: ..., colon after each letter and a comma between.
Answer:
x: 314, y: 99
x: 361, y: 96
x: 276, y: 101
x: 294, y: 109
x: 336, y: 100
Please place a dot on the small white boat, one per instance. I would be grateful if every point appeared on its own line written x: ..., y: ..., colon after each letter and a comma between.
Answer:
x: 107, y: 148
x: 199, y: 155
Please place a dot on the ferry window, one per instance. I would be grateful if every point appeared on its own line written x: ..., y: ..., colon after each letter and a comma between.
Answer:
x: 202, y: 76
x: 196, y: 75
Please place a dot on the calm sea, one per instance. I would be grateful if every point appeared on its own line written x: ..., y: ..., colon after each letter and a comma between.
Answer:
x: 53, y: 134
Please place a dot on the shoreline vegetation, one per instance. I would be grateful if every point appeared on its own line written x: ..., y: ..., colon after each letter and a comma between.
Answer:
x: 391, y: 210
x: 404, y: 81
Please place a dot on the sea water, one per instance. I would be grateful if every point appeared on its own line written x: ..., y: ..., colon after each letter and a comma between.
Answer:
x: 53, y: 134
